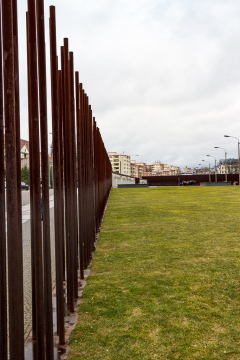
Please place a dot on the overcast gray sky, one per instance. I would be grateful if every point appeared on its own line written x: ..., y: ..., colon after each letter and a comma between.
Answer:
x: 163, y: 76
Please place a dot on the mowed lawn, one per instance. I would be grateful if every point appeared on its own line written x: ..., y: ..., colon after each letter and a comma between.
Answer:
x: 165, y: 278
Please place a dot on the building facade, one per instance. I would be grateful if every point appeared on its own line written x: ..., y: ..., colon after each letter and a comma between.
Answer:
x: 159, y: 169
x: 120, y: 163
x: 24, y: 152
x: 141, y: 170
x: 231, y: 166
x: 134, y: 169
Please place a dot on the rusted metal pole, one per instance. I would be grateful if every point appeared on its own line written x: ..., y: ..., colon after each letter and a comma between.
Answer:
x: 81, y: 184
x: 90, y: 185
x: 14, y: 256
x: 36, y: 191
x: 57, y: 182
x: 61, y: 202
x: 79, y: 177
x: 18, y: 157
x: 31, y: 193
x: 82, y: 225
x: 96, y: 174
x: 3, y: 267
x: 83, y: 174
x: 65, y: 87
x: 86, y: 241
x: 93, y: 223
x: 63, y: 157
x: 73, y: 176
x: 88, y: 181
x: 68, y: 183
x: 45, y: 179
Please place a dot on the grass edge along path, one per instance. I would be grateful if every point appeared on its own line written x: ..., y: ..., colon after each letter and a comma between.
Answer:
x: 164, y: 282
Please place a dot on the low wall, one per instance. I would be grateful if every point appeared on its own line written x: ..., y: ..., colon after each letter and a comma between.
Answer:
x: 132, y: 186
x: 175, y: 180
x: 118, y: 179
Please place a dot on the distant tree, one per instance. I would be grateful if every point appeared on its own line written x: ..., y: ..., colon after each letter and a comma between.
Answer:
x: 25, y: 175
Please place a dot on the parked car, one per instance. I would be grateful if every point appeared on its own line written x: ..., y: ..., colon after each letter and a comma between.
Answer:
x: 24, y: 186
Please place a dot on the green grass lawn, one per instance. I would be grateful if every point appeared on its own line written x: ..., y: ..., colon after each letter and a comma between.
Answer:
x: 164, y: 282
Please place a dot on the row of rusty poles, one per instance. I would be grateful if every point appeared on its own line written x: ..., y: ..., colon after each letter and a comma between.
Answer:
x: 64, y: 160
x: 85, y: 166
x: 80, y: 168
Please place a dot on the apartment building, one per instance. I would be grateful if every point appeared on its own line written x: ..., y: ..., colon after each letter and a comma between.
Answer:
x: 231, y: 167
x: 170, y: 170
x: 156, y: 167
x: 134, y: 169
x: 141, y: 170
x: 159, y: 169
x: 120, y: 163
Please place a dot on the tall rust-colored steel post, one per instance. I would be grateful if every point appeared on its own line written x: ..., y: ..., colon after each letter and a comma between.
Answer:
x: 18, y: 157
x: 15, y: 284
x: 35, y: 183
x: 93, y: 224
x: 73, y: 175
x: 95, y: 173
x: 84, y: 189
x: 65, y: 86
x: 56, y: 171
x: 80, y: 180
x: 61, y: 202
x: 81, y: 184
x: 63, y: 141
x: 71, y: 277
x: 31, y: 194
x: 88, y: 179
x: 90, y: 182
x: 68, y: 183
x: 3, y: 263
x: 89, y: 185
x: 86, y: 165
x: 45, y: 179
x: 79, y: 177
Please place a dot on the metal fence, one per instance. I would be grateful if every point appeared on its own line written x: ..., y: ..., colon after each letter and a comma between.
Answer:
x: 82, y: 182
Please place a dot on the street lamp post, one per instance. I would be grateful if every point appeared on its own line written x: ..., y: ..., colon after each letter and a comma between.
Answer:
x: 215, y: 167
x: 238, y: 156
x: 217, y: 147
x: 209, y: 171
